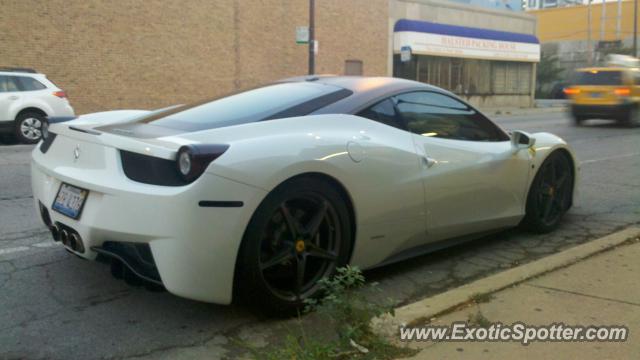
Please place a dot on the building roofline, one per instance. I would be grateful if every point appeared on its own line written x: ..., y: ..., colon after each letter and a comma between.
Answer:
x: 450, y: 4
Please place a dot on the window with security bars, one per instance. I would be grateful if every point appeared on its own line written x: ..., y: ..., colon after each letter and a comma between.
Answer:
x: 468, y: 76
x: 511, y: 78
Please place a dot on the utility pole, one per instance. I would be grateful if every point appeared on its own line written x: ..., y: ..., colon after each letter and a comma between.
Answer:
x: 603, y: 20
x: 589, y: 45
x: 619, y: 21
x: 312, y: 37
x: 635, y: 28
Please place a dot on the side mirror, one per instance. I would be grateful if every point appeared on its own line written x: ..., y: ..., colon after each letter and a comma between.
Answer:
x: 522, y: 140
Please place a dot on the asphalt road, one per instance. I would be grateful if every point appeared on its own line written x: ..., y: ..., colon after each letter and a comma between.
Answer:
x: 54, y: 305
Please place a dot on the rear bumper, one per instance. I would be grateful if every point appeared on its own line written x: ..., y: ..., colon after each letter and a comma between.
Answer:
x: 194, y: 248
x: 616, y: 111
x: 61, y: 108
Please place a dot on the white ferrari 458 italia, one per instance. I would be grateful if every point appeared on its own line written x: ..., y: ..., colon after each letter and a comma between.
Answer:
x: 260, y: 194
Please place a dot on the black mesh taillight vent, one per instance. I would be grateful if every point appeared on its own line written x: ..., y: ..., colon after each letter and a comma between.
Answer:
x: 46, y: 144
x: 150, y: 170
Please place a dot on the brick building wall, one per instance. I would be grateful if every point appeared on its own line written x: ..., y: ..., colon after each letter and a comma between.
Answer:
x: 155, y: 53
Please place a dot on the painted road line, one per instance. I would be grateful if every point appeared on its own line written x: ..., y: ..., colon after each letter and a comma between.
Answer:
x: 44, y: 244
x: 13, y: 250
x: 40, y: 245
x: 609, y: 158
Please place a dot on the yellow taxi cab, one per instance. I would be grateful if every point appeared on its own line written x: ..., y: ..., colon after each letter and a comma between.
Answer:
x: 605, y: 93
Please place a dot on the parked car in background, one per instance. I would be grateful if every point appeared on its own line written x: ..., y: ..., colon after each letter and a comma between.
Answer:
x: 27, y: 98
x: 611, y: 93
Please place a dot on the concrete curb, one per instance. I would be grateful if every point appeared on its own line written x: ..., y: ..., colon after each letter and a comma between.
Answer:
x: 424, y: 309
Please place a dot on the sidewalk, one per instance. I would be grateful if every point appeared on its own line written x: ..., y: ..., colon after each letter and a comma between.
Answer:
x: 523, y: 111
x: 540, y: 107
x: 600, y: 290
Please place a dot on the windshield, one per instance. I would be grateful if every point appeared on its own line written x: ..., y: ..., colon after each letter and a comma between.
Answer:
x: 269, y: 102
x: 598, y: 78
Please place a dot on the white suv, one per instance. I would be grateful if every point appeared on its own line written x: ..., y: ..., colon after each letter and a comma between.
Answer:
x: 26, y: 100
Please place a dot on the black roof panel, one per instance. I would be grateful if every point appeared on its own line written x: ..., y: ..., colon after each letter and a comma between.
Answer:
x: 360, y: 83
x: 366, y: 90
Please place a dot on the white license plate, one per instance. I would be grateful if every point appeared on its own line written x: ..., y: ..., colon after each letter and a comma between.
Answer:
x: 70, y: 200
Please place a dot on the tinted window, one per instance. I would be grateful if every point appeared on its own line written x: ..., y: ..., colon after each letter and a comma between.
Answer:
x: 269, y: 102
x: 382, y: 112
x: 598, y: 78
x: 29, y: 84
x: 438, y: 115
x: 8, y: 83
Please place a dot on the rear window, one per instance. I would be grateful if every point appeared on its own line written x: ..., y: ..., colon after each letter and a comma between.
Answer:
x: 269, y: 102
x: 29, y: 84
x: 598, y: 78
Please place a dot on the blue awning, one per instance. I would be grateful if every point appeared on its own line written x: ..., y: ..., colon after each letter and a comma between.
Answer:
x: 463, y: 31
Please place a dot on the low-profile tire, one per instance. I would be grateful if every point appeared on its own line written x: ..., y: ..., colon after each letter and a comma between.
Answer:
x: 300, y: 233
x: 28, y: 128
x: 550, y: 195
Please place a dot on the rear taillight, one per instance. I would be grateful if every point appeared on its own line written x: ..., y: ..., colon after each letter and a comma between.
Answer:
x: 190, y: 163
x: 571, y: 91
x: 622, y: 91
x: 192, y: 160
x: 60, y: 94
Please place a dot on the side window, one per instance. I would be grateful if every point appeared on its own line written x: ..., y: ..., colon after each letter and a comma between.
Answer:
x: 382, y: 112
x: 29, y: 84
x: 8, y: 84
x: 438, y: 115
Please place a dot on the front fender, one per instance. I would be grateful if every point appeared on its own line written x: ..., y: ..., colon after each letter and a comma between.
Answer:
x: 546, y: 144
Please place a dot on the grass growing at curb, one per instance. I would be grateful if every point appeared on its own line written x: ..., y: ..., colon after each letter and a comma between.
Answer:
x: 478, y: 319
x: 479, y: 298
x: 349, y: 314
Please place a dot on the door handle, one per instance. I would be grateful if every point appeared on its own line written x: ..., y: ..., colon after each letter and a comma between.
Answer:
x: 14, y: 97
x: 429, y: 162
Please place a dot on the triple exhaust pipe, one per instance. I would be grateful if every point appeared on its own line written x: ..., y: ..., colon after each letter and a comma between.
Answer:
x: 60, y: 232
x: 68, y: 237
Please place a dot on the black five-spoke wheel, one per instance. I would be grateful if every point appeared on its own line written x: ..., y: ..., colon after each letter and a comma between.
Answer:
x: 299, y: 246
x: 299, y: 234
x: 551, y: 193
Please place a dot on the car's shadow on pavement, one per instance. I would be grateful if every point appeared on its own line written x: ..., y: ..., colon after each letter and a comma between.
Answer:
x: 429, y: 274
x: 441, y: 264
x: 8, y: 140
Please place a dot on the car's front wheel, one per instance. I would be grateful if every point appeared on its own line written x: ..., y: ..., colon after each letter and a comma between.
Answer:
x: 298, y: 235
x: 550, y: 194
x: 29, y: 127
